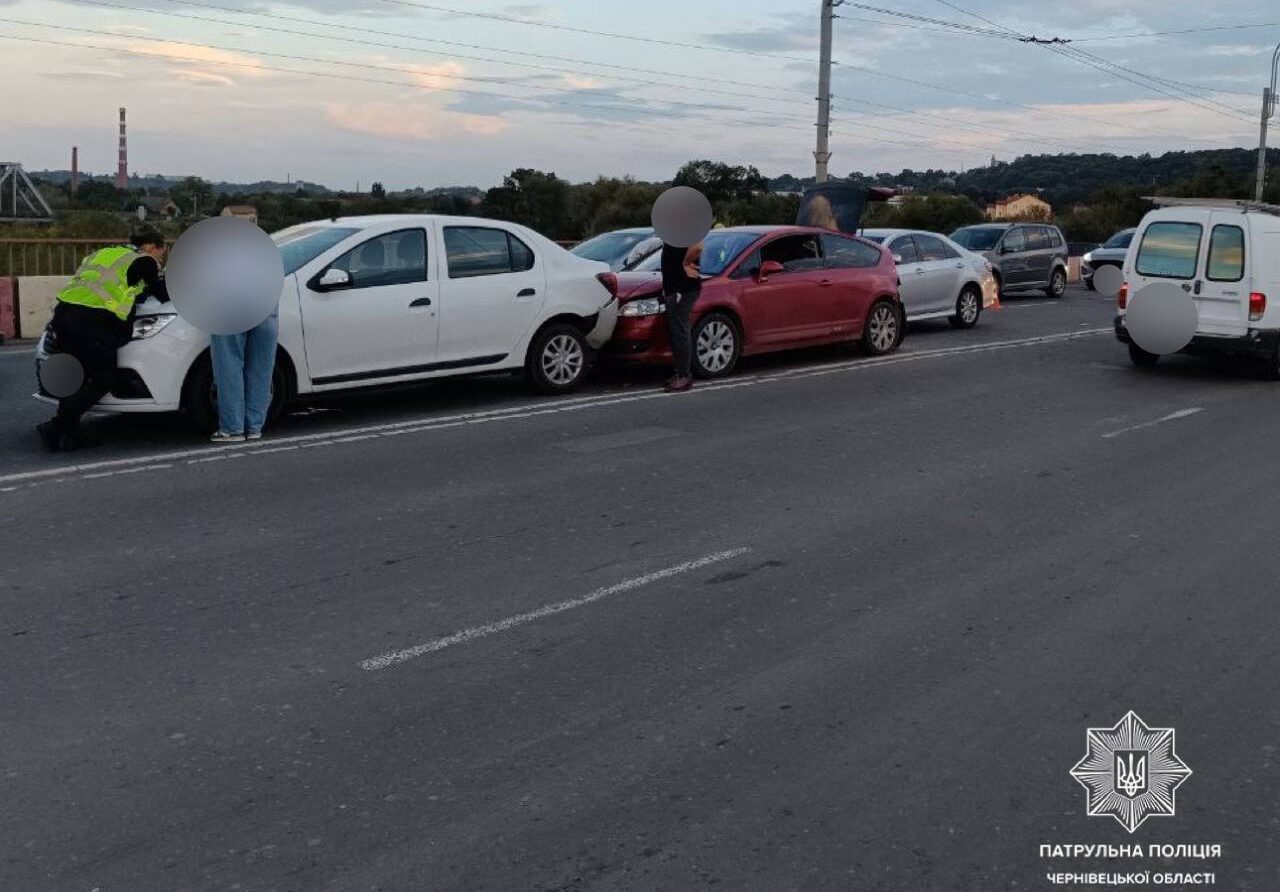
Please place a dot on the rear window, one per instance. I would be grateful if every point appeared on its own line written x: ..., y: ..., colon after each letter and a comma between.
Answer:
x: 1226, y: 254
x: 978, y: 238
x: 1170, y: 250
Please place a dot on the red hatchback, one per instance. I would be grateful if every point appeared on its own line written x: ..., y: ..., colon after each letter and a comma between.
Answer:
x: 767, y: 288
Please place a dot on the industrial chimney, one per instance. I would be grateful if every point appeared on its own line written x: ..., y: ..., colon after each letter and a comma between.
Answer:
x: 122, y: 172
x: 75, y: 169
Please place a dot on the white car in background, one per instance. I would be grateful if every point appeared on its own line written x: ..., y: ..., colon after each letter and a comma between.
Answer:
x: 940, y: 279
x: 391, y: 299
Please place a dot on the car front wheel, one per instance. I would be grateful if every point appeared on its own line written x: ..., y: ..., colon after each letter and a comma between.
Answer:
x: 968, y: 308
x: 557, y: 359
x: 1141, y: 358
x: 883, y: 330
x: 716, y: 346
x: 200, y: 394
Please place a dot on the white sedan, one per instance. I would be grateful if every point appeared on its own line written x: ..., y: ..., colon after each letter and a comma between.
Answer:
x: 940, y: 279
x: 390, y: 299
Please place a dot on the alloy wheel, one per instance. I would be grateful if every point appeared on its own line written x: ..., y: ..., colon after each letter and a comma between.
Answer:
x: 883, y: 327
x: 716, y: 344
x: 968, y: 308
x: 563, y: 360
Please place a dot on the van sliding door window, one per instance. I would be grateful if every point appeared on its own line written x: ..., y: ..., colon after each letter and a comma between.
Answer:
x: 1226, y: 254
x: 1170, y: 250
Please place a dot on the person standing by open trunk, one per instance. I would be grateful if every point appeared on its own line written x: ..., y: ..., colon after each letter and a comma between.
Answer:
x: 681, y: 287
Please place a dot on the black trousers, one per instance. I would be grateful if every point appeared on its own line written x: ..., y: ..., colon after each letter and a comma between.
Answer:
x: 92, y: 337
x: 679, y: 310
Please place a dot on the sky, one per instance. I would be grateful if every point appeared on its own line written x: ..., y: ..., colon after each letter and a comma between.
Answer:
x: 460, y: 92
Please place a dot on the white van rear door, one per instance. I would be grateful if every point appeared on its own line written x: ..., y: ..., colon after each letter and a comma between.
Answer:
x: 1222, y: 291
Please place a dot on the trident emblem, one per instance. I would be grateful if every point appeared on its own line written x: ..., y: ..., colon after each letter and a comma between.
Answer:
x: 1131, y: 772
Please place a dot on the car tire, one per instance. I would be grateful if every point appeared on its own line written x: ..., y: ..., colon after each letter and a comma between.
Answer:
x: 1057, y: 283
x: 968, y: 308
x: 200, y: 394
x: 717, y: 346
x: 884, y: 329
x: 558, y: 359
x: 1141, y: 358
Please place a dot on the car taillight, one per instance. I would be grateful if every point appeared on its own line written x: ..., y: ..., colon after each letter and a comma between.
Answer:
x: 1257, y: 306
x: 1122, y: 299
x: 610, y: 281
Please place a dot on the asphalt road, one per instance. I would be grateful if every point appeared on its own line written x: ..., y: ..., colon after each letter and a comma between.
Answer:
x: 835, y: 623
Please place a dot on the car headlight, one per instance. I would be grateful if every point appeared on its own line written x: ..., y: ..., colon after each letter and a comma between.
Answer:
x: 1088, y: 258
x: 147, y: 326
x: 649, y: 306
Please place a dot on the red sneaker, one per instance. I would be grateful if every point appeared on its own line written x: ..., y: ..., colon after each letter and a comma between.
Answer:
x: 678, y: 385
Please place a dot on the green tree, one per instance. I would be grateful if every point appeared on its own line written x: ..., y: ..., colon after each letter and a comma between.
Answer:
x: 196, y: 197
x: 536, y: 199
x: 377, y: 190
x: 721, y: 183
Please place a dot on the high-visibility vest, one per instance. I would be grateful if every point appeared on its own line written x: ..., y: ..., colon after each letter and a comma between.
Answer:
x: 102, y: 282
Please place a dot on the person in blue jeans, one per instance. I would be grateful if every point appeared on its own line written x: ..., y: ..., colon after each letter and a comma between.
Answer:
x: 242, y: 368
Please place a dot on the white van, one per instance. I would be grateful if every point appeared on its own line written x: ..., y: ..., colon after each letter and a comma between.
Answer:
x: 1227, y: 256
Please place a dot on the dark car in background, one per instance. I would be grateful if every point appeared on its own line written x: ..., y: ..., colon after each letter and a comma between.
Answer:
x: 622, y: 249
x: 1111, y: 253
x: 767, y: 288
x: 1024, y: 256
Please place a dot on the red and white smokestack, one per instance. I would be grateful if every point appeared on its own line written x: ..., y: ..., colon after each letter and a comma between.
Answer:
x: 122, y: 171
x: 75, y: 169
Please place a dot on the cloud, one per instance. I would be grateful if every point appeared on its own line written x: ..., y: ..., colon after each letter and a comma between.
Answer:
x: 534, y: 12
x: 219, y: 65
x: 388, y: 120
x: 1236, y: 50
x: 776, y: 39
x: 439, y: 76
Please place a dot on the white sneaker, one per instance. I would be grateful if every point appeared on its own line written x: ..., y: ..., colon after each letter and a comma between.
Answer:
x: 222, y: 437
x: 253, y: 435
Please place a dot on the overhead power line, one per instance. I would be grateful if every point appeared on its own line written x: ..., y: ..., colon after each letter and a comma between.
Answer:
x: 1205, y: 30
x: 1098, y: 63
x: 346, y: 39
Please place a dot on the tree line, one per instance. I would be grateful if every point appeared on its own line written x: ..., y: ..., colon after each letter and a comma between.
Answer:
x: 1093, y: 196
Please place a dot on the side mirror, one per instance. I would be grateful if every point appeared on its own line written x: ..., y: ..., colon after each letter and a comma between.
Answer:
x: 769, y: 268
x: 333, y: 279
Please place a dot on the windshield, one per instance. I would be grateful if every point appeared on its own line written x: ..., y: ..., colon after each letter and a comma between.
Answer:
x: 299, y: 245
x: 719, y: 249
x: 610, y: 247
x: 1120, y: 239
x: 977, y: 238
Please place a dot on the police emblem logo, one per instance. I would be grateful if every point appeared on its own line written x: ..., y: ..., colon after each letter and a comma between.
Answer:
x: 1130, y: 772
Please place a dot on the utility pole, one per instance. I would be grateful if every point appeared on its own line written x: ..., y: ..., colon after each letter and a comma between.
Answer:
x: 1268, y: 109
x: 823, y: 153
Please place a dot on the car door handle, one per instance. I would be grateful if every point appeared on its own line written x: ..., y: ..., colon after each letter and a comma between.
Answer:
x: 421, y: 302
x: 826, y: 283
x: 920, y: 271
x: 527, y: 292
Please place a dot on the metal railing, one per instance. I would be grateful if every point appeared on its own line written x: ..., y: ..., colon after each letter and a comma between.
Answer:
x: 47, y: 257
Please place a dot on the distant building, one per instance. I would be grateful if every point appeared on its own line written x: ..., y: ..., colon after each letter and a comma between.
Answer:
x: 162, y: 208
x: 243, y: 211
x: 1020, y: 207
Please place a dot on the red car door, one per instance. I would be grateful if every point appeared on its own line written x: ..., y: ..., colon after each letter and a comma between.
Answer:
x: 852, y: 265
x: 791, y: 305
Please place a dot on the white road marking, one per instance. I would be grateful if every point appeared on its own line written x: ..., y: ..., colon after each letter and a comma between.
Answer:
x: 130, y: 471
x: 475, y: 632
x: 200, y: 455
x: 1172, y: 416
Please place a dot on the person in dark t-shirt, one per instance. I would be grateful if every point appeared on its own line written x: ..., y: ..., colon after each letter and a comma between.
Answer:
x: 681, y: 286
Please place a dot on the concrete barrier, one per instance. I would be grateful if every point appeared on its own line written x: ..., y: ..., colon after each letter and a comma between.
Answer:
x: 8, y: 310
x: 36, y: 297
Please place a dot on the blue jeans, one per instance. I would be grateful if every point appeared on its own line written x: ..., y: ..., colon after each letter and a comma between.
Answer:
x: 242, y: 367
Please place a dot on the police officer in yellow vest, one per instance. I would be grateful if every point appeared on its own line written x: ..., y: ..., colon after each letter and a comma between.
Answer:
x: 93, y: 319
